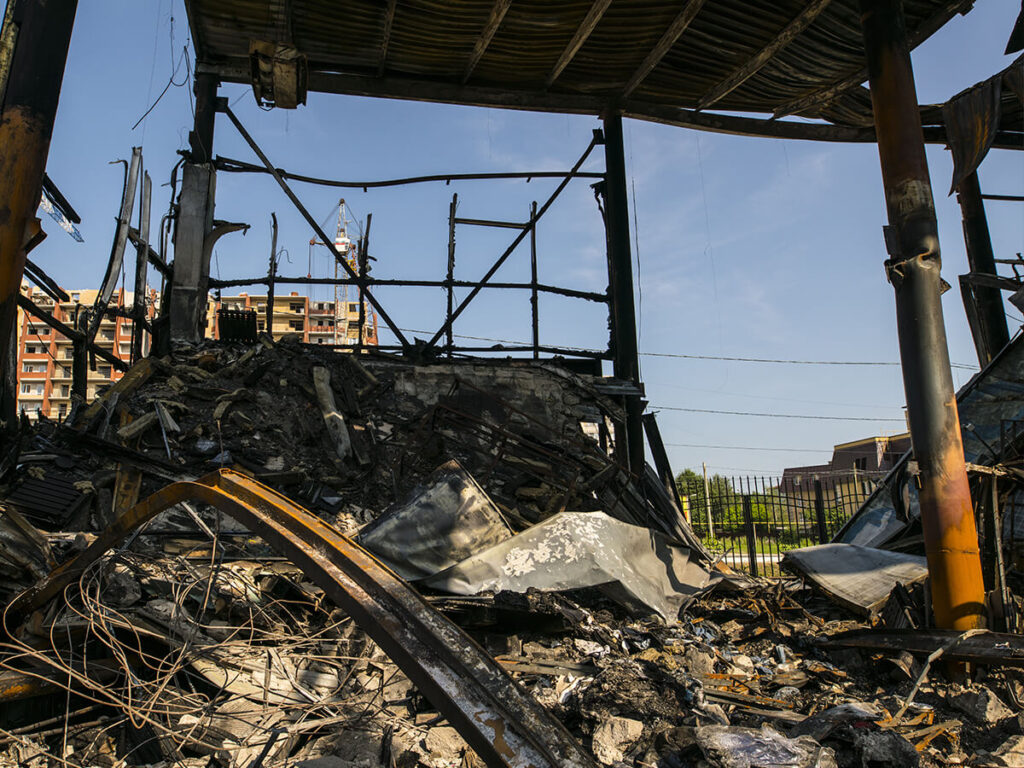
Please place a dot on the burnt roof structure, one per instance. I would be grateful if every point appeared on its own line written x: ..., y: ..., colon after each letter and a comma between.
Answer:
x: 660, y: 60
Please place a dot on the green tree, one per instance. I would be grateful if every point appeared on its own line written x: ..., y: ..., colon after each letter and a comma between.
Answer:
x: 726, y: 503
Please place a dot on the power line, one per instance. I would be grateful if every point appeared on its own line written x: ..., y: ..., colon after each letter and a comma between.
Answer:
x: 749, y: 448
x: 963, y: 366
x: 774, y: 415
x: 790, y: 362
x: 657, y: 384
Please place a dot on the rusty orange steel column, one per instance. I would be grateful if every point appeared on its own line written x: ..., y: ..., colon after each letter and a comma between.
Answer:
x: 912, y: 241
x: 42, y: 34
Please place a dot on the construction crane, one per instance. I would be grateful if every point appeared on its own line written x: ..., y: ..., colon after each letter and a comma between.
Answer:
x: 350, y: 252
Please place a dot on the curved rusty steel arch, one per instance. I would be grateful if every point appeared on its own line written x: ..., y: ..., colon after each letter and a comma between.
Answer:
x: 503, y: 723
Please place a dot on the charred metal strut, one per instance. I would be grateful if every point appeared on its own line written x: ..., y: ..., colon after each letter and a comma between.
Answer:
x: 504, y: 724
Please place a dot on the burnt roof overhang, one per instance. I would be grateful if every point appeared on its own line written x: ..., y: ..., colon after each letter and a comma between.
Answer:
x: 681, y: 63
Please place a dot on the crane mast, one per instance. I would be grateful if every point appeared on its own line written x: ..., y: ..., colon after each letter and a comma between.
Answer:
x: 349, y: 251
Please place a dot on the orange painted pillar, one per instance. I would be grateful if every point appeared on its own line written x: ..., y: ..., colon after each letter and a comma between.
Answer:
x: 912, y: 240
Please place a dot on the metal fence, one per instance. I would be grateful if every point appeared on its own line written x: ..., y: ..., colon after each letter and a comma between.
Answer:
x: 750, y: 521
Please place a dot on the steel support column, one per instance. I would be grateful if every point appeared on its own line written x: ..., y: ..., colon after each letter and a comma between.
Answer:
x: 26, y: 125
x: 195, y: 220
x: 947, y: 518
x: 991, y: 314
x: 620, y: 283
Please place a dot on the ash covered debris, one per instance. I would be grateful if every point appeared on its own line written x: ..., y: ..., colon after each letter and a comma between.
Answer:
x: 195, y: 643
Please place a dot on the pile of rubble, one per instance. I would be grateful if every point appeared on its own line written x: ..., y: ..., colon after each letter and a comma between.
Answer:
x: 489, y: 488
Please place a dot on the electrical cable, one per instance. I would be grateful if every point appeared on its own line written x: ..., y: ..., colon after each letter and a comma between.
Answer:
x: 749, y: 448
x: 774, y: 415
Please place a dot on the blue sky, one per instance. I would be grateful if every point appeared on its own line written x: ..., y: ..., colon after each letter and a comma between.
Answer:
x: 744, y: 247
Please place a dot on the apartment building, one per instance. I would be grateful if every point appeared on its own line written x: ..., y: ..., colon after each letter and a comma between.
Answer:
x: 852, y: 473
x: 45, y: 356
x: 317, y: 321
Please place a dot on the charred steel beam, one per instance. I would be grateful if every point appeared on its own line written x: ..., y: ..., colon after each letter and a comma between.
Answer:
x: 141, y: 263
x: 450, y: 287
x: 515, y: 243
x: 238, y: 166
x: 991, y: 317
x: 752, y: 65
x: 501, y: 722
x: 992, y: 648
x: 187, y: 296
x: 26, y: 125
x: 154, y: 258
x: 498, y: 11
x: 620, y: 286
x: 414, y: 89
x: 44, y: 281
x: 328, y: 241
x: 494, y: 223
x: 200, y: 138
x: 1005, y: 198
x: 661, y: 463
x: 113, y: 273
x: 912, y: 240
x: 675, y: 30
x: 272, y: 275
x: 371, y: 281
x: 534, y: 285
x: 560, y: 351
x: 385, y: 40
x: 578, y: 39
x: 60, y: 201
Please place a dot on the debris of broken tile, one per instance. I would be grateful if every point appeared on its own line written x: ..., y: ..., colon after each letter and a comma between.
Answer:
x: 195, y: 644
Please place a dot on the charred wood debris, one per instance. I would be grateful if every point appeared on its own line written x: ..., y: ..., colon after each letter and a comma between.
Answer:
x: 194, y: 643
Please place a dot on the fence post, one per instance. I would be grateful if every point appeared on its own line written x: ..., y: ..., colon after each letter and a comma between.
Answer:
x: 819, y: 512
x: 748, y: 524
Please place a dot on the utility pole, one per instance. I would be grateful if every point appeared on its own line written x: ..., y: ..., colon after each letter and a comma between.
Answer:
x: 912, y: 240
x: 707, y: 501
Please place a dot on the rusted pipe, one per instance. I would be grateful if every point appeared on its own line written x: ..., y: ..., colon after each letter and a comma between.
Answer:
x: 912, y: 240
x: 26, y: 124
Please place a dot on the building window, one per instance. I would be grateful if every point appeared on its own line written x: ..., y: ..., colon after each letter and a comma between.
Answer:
x: 296, y: 307
x: 353, y: 306
x: 104, y: 371
x: 65, y: 390
x: 62, y: 410
x: 260, y: 326
x: 320, y: 341
x: 861, y: 463
x: 295, y: 324
x: 75, y: 297
x: 26, y: 389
